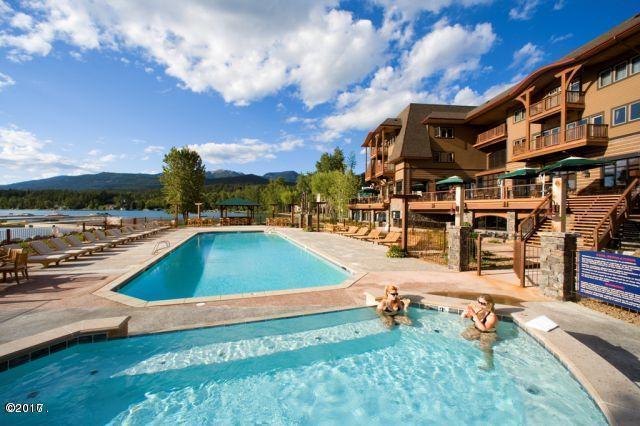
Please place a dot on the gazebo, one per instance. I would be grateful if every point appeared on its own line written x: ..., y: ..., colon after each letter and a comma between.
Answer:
x: 236, y: 203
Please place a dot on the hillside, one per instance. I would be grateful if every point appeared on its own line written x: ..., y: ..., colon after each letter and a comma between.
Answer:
x: 141, y: 181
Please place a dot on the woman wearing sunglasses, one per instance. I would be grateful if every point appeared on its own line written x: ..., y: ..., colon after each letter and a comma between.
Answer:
x: 392, y: 309
x: 484, y: 326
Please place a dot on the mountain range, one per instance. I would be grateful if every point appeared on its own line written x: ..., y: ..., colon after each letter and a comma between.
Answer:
x: 139, y: 181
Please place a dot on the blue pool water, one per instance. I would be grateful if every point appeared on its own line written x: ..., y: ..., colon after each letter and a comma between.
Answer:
x: 338, y: 368
x: 231, y: 263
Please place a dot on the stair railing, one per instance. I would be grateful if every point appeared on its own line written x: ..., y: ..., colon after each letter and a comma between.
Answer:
x: 605, y: 229
x: 532, y: 222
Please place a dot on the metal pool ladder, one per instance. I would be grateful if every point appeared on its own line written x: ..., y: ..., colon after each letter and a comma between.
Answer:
x: 160, y: 245
x: 270, y: 230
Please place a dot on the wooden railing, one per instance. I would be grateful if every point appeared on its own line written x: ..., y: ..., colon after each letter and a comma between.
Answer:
x: 495, y: 133
x: 367, y: 200
x: 438, y: 196
x: 492, y: 193
x: 604, y: 230
x: 531, y: 223
x: 368, y: 175
x: 587, y: 131
x: 533, y: 190
x: 382, y: 168
x: 552, y: 102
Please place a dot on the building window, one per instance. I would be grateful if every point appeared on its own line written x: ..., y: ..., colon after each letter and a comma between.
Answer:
x: 634, y: 111
x: 443, y: 157
x: 635, y: 65
x: 621, y: 172
x: 575, y: 85
x: 491, y: 223
x: 619, y: 115
x: 519, y: 115
x: 605, y: 78
x: 497, y: 159
x: 620, y: 71
x: 444, y: 132
x: 399, y: 187
x: 596, y: 119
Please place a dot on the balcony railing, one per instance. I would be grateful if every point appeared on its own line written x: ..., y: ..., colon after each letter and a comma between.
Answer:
x: 551, y: 103
x: 438, y: 196
x: 377, y: 151
x: 383, y: 168
x: 377, y: 199
x: 506, y: 192
x: 368, y: 174
x: 496, y: 133
x: 583, y: 132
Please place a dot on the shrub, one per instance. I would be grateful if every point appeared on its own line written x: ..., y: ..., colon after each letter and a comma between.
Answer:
x: 396, y: 251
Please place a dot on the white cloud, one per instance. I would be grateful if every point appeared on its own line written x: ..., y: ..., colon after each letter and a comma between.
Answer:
x: 148, y: 70
x: 558, y: 38
x: 558, y: 5
x: 94, y: 152
x: 5, y: 81
x: 243, y: 50
x: 24, y: 156
x: 527, y: 57
x: 154, y: 149
x: 444, y: 55
x: 244, y: 151
x: 524, y: 9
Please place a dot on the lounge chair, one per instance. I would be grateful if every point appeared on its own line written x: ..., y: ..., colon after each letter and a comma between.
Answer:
x: 126, y: 233
x: 93, y: 239
x: 375, y: 233
x: 63, y: 247
x: 142, y: 232
x: 115, y: 233
x: 118, y: 240
x: 351, y: 230
x: 16, y: 262
x: 361, y: 232
x: 43, y: 248
x: 75, y: 242
x: 390, y: 238
x: 46, y: 255
x: 148, y: 230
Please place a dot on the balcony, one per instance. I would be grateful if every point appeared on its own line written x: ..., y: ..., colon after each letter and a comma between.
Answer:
x: 496, y: 134
x: 383, y: 169
x: 368, y: 203
x: 378, y: 151
x: 575, y: 137
x: 498, y: 198
x: 552, y: 104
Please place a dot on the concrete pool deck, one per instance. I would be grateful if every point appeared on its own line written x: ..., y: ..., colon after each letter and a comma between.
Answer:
x: 58, y: 296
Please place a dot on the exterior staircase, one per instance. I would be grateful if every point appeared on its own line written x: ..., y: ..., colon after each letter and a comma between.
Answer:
x: 588, y: 213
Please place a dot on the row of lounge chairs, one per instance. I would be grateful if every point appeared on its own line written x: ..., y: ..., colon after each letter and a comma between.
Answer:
x: 365, y: 234
x: 71, y: 247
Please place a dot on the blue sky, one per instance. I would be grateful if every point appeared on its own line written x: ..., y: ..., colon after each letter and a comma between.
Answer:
x: 253, y: 86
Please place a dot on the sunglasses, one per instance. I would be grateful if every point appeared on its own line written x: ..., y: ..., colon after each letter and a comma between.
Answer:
x: 482, y: 303
x: 393, y: 294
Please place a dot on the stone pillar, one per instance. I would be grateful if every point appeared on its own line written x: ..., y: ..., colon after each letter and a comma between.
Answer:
x: 405, y: 224
x: 458, y: 240
x: 559, y: 198
x: 512, y: 226
x: 459, y: 213
x: 557, y: 264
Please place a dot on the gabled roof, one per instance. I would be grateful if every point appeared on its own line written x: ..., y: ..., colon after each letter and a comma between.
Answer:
x: 577, y: 56
x: 413, y: 139
x: 237, y: 202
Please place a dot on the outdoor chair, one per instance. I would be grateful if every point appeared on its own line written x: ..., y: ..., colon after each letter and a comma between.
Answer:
x: 118, y: 234
x: 103, y: 237
x: 375, y: 233
x: 75, y: 242
x: 16, y: 263
x: 46, y: 255
x: 351, y: 230
x: 361, y: 232
x: 94, y: 239
x: 390, y: 239
x: 64, y: 247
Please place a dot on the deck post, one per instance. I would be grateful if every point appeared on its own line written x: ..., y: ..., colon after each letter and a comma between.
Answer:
x: 557, y: 264
x: 479, y: 255
x: 559, y: 198
x: 459, y: 210
x: 458, y: 240
x: 405, y: 224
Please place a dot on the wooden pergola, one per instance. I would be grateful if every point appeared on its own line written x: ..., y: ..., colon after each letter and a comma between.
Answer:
x: 236, y: 203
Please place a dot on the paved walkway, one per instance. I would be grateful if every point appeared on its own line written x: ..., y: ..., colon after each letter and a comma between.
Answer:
x: 60, y: 295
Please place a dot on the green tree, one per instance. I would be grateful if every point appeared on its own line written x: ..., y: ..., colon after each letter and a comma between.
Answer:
x: 336, y: 188
x: 183, y: 176
x: 331, y: 162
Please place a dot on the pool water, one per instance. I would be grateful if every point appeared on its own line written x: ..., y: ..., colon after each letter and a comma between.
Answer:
x: 232, y: 263
x: 337, y: 368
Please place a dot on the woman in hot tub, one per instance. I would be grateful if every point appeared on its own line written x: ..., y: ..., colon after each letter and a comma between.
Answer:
x: 392, y: 309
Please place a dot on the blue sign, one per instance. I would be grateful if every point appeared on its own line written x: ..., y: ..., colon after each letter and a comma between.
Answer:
x: 610, y: 277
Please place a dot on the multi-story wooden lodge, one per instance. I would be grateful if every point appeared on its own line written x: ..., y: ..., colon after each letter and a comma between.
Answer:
x: 586, y: 104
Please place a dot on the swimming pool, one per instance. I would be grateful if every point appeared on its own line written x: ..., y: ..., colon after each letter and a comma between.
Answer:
x: 342, y: 367
x: 223, y: 263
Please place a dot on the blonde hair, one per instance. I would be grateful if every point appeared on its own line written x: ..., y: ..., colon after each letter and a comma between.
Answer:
x: 388, y: 289
x: 491, y: 305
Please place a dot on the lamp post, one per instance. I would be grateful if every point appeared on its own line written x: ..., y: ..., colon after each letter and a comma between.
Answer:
x: 318, y: 204
x: 198, y: 206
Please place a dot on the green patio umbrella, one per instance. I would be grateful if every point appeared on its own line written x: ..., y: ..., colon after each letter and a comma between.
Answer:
x: 451, y: 180
x: 523, y: 173
x: 572, y: 164
x: 368, y: 191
